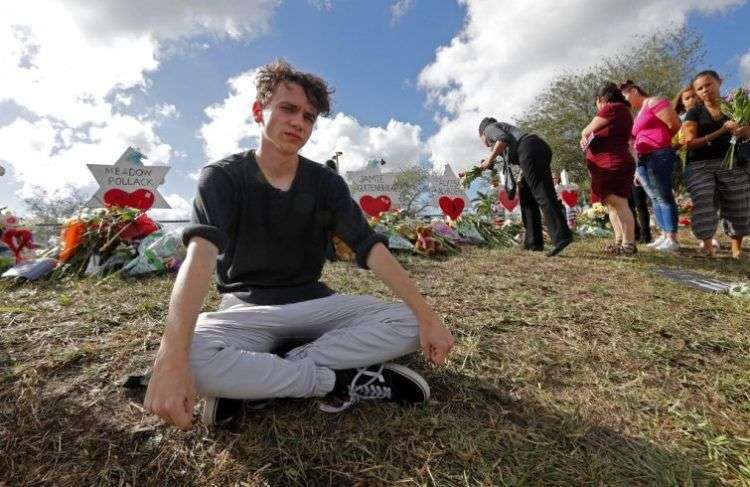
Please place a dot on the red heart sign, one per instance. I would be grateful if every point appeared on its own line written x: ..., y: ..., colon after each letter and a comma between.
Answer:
x: 570, y: 198
x: 17, y: 239
x: 451, y: 207
x: 508, y: 204
x: 140, y: 199
x: 375, y: 206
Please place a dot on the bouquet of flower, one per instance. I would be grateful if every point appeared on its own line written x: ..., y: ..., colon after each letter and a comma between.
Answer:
x: 100, y: 234
x: 736, y: 106
x: 491, y: 235
x: 475, y: 172
x: 593, y: 220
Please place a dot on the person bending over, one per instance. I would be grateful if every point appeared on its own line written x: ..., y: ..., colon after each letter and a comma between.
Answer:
x: 261, y: 220
x: 536, y: 190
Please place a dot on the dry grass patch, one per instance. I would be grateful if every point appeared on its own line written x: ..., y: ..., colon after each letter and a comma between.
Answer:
x: 573, y: 370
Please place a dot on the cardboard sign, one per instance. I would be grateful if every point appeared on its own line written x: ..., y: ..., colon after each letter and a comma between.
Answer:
x: 450, y: 196
x: 128, y: 183
x: 373, y: 190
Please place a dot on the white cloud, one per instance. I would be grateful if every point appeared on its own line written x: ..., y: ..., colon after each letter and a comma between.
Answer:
x: 166, y: 110
x: 173, y: 19
x: 399, y: 8
x: 745, y: 67
x: 505, y: 55
x: 50, y: 67
x: 73, y: 67
x: 230, y: 127
x: 398, y: 143
x: 50, y: 156
x: 180, y: 209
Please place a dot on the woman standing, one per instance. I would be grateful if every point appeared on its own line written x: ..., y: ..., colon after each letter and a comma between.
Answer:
x: 611, y: 165
x: 685, y: 100
x: 707, y: 135
x: 653, y: 129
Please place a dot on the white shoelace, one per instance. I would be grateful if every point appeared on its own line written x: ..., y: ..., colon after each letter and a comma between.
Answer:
x: 367, y: 391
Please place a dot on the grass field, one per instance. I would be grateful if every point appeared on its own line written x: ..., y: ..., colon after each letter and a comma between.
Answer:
x: 578, y: 370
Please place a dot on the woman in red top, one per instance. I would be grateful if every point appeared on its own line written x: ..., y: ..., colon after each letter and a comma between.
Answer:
x: 611, y: 164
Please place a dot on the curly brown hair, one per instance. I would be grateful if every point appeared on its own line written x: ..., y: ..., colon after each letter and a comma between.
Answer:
x: 316, y: 89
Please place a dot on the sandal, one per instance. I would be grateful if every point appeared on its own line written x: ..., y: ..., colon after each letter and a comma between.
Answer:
x: 629, y: 249
x: 612, y: 249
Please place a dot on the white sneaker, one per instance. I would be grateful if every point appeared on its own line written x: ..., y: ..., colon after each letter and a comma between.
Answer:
x: 658, y: 241
x: 668, y: 245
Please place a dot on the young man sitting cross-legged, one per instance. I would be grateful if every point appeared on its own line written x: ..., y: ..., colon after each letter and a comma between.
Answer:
x: 261, y: 219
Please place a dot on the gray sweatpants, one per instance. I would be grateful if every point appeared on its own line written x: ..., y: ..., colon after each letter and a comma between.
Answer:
x: 230, y: 354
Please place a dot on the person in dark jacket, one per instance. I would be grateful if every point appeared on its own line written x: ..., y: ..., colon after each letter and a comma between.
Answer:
x: 536, y: 189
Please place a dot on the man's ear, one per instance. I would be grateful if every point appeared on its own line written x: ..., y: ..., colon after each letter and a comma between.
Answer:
x: 257, y: 112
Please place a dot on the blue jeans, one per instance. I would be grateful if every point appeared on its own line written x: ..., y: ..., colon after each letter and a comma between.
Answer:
x: 655, y: 174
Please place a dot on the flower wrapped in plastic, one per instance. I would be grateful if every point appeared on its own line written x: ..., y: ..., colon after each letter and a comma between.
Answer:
x: 594, y: 220
x: 736, y: 106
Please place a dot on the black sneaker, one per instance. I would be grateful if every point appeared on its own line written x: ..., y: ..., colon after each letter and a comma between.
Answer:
x: 559, y: 247
x: 219, y: 410
x: 384, y: 382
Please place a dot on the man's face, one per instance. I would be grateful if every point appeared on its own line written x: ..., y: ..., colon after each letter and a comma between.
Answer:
x: 287, y: 119
x: 484, y: 140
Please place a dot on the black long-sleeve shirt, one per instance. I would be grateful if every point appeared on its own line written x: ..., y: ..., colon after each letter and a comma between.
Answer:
x: 271, y: 242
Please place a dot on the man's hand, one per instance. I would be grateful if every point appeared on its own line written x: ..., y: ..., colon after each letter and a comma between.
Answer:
x: 171, y: 390
x: 435, y: 339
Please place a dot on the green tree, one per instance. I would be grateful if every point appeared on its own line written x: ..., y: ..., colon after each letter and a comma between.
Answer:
x: 45, y: 210
x: 661, y: 65
x: 414, y: 189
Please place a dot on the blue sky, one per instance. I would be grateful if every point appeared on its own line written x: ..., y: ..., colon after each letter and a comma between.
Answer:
x: 81, y: 84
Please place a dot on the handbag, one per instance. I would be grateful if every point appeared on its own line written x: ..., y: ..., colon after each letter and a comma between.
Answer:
x: 510, y: 180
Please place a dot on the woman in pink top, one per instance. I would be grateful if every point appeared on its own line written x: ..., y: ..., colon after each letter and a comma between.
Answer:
x: 653, y: 129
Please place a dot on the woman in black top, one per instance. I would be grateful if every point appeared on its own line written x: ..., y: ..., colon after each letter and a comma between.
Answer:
x: 710, y: 183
